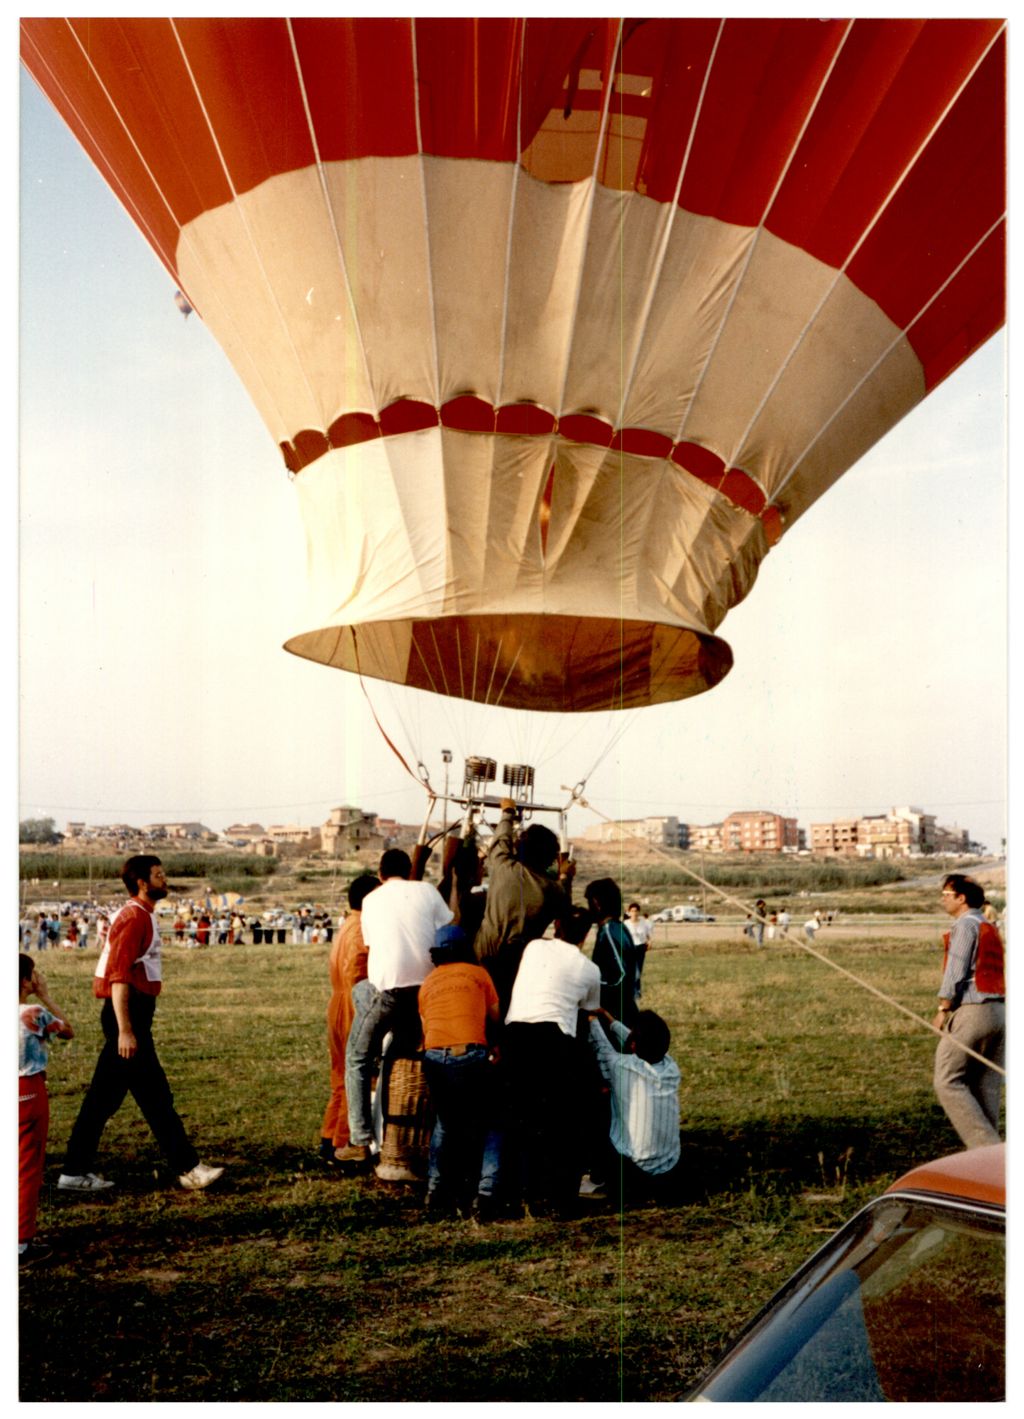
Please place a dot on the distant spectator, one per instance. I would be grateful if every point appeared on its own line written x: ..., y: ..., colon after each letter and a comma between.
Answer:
x: 760, y: 918
x: 639, y: 927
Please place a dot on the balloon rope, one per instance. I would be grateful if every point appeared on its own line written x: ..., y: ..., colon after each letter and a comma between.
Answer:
x: 617, y: 734
x: 385, y: 736
x: 440, y: 661
x: 508, y: 677
x: 793, y: 941
x: 494, y: 667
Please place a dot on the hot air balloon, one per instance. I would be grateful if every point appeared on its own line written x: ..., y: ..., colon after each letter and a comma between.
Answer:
x: 559, y: 323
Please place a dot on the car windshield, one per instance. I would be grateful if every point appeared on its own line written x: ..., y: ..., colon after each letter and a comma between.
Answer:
x: 907, y: 1304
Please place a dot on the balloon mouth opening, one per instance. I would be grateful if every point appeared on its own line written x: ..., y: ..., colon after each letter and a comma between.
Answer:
x: 531, y: 662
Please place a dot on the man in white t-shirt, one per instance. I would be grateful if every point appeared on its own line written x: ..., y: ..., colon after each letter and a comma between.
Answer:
x: 399, y: 921
x: 547, y: 1066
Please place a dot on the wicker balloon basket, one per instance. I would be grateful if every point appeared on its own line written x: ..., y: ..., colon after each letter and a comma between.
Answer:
x: 408, y: 1123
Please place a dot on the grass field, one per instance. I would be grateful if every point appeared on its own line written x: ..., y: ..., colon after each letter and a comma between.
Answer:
x: 802, y: 1095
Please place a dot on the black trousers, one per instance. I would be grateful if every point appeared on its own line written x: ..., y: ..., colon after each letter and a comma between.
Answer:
x: 546, y: 1086
x: 143, y: 1077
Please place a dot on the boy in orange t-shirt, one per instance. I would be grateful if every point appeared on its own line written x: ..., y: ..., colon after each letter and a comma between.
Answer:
x: 459, y: 1010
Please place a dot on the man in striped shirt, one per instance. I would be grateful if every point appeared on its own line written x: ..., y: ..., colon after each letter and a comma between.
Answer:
x: 644, y: 1083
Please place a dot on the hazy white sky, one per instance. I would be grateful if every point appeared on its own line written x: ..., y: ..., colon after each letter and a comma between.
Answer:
x: 162, y: 566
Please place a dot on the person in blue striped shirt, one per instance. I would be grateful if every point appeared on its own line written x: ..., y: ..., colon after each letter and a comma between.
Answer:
x: 643, y: 1080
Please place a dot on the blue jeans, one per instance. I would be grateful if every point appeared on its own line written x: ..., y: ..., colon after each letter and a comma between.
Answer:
x: 463, y: 1145
x: 377, y: 1013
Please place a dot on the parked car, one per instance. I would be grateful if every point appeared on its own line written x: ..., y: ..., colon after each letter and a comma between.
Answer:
x: 682, y: 913
x: 906, y: 1302
x: 689, y: 913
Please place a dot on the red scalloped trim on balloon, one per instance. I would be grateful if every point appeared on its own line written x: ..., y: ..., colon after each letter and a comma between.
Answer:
x: 644, y: 443
x: 309, y: 445
x: 586, y: 428
x: 408, y: 416
x: 468, y: 413
x: 353, y: 428
x: 741, y: 489
x: 771, y: 521
x: 699, y: 461
x: 525, y: 419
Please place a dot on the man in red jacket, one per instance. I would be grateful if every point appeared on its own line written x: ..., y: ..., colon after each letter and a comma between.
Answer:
x: 971, y: 1011
x: 128, y: 980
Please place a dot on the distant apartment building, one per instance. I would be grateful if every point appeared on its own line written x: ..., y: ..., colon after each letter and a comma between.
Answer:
x: 657, y: 831
x: 952, y: 840
x: 838, y: 838
x: 759, y: 831
x: 902, y: 832
x: 74, y: 830
x: 706, y: 837
x: 922, y: 827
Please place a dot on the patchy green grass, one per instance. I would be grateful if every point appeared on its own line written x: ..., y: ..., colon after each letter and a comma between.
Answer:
x: 802, y: 1096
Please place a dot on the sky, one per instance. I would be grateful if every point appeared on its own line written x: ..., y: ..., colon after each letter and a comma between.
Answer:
x: 162, y: 566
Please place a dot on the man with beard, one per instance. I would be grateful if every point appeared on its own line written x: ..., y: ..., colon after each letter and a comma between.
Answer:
x: 128, y: 981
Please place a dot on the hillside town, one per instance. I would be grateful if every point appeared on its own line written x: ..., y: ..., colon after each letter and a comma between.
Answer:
x: 349, y: 831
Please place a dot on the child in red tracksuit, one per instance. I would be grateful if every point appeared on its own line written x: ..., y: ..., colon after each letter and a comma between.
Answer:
x: 37, y: 1024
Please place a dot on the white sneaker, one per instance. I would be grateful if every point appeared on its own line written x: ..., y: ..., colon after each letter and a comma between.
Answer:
x: 202, y: 1175
x: 83, y: 1182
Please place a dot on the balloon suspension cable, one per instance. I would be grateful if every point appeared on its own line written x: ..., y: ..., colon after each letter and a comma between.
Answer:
x: 784, y: 935
x: 627, y: 723
x: 422, y: 777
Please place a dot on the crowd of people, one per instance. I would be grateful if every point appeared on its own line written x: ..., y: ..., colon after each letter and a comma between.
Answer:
x: 544, y: 1076
x: 194, y: 925
x: 71, y: 928
x: 513, y: 1070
